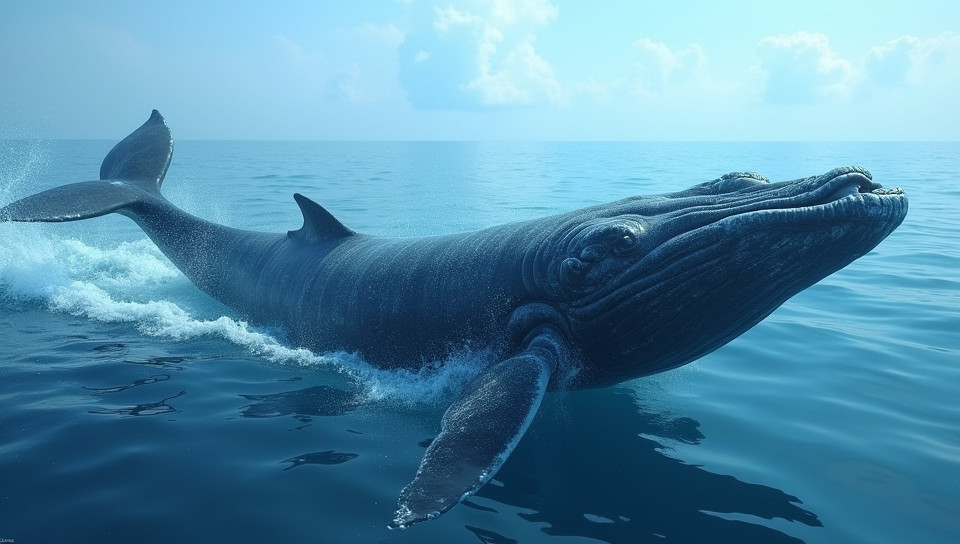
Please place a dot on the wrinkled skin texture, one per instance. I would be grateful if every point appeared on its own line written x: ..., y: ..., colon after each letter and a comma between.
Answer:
x: 638, y: 286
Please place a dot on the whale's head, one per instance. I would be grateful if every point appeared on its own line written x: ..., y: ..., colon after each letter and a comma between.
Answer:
x: 650, y: 283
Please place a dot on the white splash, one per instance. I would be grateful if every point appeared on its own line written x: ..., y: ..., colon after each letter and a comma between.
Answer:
x: 133, y: 283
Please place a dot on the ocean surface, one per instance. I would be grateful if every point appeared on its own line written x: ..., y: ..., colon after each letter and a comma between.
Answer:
x: 133, y: 408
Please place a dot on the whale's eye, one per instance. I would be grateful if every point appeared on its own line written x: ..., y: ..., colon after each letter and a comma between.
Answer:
x: 599, y: 250
x: 572, y: 270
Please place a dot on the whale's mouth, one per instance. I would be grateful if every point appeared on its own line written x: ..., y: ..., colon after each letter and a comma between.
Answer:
x: 848, y: 193
x: 850, y: 181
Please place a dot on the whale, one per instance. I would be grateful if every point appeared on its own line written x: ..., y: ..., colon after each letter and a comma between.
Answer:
x: 582, y: 299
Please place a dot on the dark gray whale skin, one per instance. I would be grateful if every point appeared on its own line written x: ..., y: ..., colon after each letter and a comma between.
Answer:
x: 586, y: 298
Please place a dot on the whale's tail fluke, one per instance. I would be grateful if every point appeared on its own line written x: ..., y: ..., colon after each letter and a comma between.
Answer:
x: 133, y: 170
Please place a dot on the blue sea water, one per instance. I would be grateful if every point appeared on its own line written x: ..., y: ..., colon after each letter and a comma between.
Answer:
x: 133, y: 408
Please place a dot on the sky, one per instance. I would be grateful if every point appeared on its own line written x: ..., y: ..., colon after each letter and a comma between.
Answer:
x: 650, y: 70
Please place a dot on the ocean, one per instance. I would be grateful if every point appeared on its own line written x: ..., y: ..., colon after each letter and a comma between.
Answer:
x: 134, y: 408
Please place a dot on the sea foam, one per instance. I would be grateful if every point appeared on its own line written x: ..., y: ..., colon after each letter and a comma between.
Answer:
x: 133, y: 283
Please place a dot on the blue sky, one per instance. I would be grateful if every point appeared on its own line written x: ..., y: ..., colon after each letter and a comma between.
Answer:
x: 484, y: 69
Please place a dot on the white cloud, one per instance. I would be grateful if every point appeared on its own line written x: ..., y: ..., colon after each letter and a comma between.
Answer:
x: 523, y: 77
x: 511, y: 72
x: 662, y: 69
x: 889, y: 64
x: 539, y: 12
x: 802, y: 68
x: 912, y: 61
x: 501, y: 66
x: 450, y: 17
x: 680, y: 80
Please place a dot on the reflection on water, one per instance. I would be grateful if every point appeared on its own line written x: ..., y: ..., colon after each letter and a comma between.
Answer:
x: 595, y: 464
x: 117, y: 350
x: 328, y: 457
x: 490, y: 537
x: 136, y: 383
x: 319, y: 400
x: 595, y: 467
x: 145, y: 409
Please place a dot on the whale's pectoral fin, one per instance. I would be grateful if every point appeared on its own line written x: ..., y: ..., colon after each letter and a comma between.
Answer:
x: 135, y: 167
x: 480, y: 430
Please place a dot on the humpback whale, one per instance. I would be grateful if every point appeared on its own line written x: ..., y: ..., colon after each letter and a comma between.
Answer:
x: 582, y: 299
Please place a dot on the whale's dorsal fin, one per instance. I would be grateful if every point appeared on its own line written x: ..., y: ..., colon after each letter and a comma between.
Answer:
x: 319, y: 225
